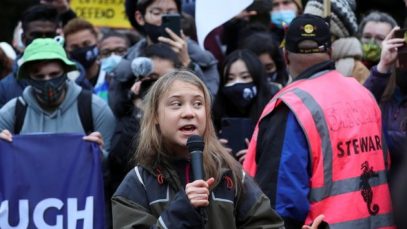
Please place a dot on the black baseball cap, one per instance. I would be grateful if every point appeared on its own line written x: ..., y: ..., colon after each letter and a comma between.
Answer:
x: 308, y: 27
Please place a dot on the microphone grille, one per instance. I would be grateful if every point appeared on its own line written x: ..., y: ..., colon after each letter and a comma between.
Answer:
x: 141, y: 66
x: 195, y: 143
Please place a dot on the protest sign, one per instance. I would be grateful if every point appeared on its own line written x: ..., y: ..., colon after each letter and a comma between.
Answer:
x: 51, y: 181
x: 103, y: 13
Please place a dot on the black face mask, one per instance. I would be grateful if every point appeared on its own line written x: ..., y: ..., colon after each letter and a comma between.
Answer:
x: 153, y: 31
x: 241, y: 95
x: 49, y: 91
x: 86, y: 56
x: 401, y: 80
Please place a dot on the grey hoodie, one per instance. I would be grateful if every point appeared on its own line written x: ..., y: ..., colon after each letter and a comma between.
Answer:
x: 65, y: 119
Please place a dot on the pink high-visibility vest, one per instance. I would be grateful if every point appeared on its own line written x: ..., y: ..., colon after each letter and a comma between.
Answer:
x: 342, y: 124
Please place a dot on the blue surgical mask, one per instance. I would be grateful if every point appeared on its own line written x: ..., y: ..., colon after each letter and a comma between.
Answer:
x: 282, y: 18
x: 109, y: 63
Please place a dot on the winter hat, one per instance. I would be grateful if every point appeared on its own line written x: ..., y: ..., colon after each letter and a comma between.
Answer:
x: 345, y: 52
x: 343, y: 19
x: 44, y: 49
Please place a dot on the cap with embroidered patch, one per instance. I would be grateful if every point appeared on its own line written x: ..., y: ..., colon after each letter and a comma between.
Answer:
x: 308, y: 27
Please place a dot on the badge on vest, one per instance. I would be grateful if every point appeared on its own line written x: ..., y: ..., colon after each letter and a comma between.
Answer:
x: 366, y: 189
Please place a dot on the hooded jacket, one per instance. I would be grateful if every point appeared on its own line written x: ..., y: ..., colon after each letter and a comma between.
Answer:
x: 65, y: 119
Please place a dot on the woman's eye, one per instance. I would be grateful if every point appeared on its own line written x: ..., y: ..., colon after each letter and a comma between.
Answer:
x: 198, y: 104
x: 230, y: 78
x: 176, y: 104
x: 246, y: 77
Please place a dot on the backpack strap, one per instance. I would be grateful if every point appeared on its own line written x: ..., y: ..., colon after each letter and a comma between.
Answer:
x: 85, y: 110
x: 19, y: 114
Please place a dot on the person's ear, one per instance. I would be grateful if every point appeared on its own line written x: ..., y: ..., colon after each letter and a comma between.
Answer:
x: 139, y: 18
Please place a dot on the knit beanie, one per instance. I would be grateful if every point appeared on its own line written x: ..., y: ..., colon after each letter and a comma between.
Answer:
x: 345, y: 51
x: 343, y: 19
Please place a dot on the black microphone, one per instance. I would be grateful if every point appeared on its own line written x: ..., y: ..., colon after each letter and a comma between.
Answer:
x: 141, y: 67
x: 195, y: 145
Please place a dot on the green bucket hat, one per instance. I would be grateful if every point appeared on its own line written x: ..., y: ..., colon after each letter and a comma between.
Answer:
x: 44, y: 49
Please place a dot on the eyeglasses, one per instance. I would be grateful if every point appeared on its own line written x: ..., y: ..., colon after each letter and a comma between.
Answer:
x: 117, y: 51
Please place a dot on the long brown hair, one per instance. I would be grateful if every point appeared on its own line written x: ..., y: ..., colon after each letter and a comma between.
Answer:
x: 150, y: 150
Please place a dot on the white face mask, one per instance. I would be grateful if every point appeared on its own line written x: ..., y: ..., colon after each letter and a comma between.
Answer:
x: 109, y: 63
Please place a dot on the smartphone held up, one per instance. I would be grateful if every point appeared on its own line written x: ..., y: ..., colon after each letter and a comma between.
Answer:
x: 173, y: 22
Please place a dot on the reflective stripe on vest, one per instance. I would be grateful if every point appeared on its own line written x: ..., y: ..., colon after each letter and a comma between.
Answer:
x: 334, y: 193
x: 358, y: 197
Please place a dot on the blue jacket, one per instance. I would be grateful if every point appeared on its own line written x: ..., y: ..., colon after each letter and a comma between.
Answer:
x: 10, y: 87
x: 282, y: 158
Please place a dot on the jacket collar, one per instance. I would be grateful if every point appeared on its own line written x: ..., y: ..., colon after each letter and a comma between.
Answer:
x: 313, y: 70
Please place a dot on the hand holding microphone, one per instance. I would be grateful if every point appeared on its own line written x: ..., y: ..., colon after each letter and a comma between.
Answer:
x: 198, y: 190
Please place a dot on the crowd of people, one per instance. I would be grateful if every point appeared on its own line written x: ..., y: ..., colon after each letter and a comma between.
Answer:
x: 303, y: 117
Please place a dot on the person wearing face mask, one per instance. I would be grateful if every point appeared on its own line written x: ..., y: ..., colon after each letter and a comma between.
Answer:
x: 38, y: 21
x: 388, y: 83
x: 52, y: 97
x: 52, y: 103
x: 346, y: 47
x: 281, y: 15
x: 373, y: 28
x: 270, y: 56
x: 81, y: 39
x: 146, y: 16
x: 113, y: 46
x: 244, y: 90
